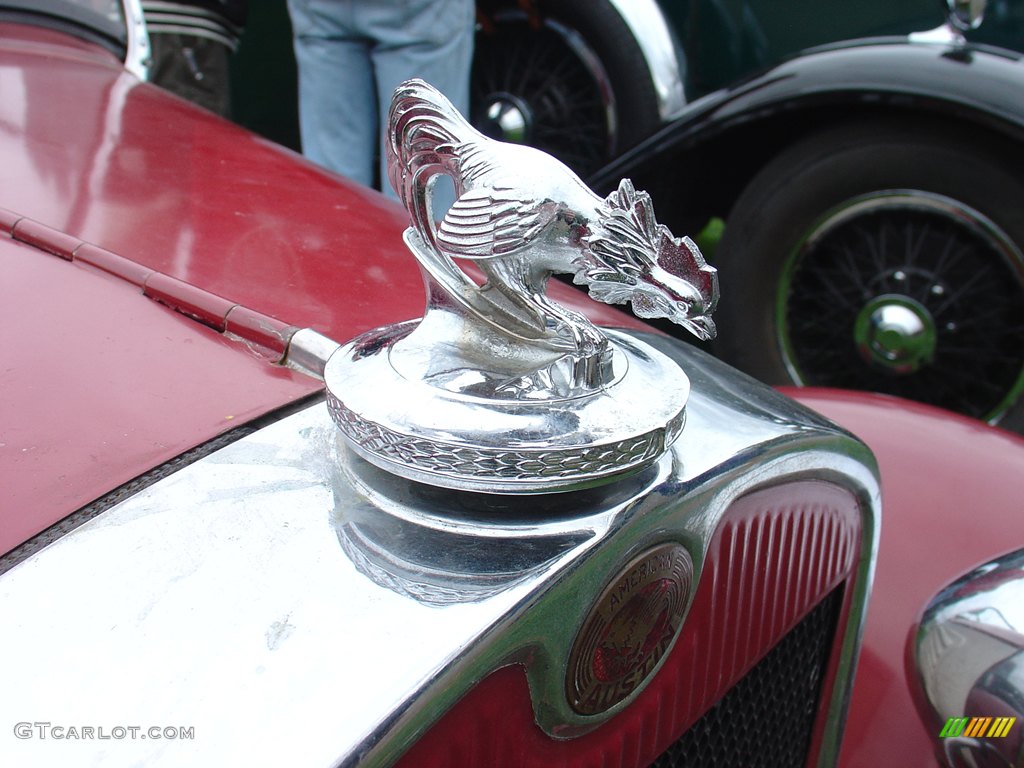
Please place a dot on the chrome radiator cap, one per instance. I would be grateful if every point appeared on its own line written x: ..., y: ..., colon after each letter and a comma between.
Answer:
x: 499, y: 388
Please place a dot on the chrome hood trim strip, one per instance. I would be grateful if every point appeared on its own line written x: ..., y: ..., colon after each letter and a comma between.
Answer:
x: 139, y: 54
x: 292, y: 609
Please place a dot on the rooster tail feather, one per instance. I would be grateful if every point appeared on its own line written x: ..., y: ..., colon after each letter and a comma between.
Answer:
x: 424, y: 130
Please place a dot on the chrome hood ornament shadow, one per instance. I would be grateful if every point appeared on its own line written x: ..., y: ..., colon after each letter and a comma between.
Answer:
x: 498, y: 387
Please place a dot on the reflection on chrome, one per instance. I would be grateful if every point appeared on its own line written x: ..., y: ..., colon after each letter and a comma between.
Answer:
x: 969, y: 658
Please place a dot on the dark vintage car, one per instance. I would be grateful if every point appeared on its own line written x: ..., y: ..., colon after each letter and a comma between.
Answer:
x: 587, y: 80
x: 866, y: 158
x: 203, y: 562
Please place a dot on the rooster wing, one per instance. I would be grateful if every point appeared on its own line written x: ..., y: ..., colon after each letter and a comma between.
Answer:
x: 493, y: 221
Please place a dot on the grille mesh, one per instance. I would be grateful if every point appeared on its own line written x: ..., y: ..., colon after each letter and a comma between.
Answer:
x: 767, y: 719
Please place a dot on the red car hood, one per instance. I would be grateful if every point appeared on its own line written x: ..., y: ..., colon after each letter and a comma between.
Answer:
x: 100, y: 384
x: 951, y: 489
x: 89, y: 150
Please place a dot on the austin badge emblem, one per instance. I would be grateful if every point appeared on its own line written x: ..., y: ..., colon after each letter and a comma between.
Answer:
x: 630, y: 629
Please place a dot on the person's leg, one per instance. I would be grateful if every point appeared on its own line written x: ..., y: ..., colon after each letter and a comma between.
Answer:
x: 337, y: 98
x: 428, y: 39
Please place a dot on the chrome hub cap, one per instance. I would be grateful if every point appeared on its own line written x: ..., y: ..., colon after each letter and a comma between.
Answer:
x: 895, y: 333
x: 507, y: 118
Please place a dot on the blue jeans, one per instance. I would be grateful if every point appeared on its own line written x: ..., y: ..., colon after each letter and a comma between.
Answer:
x: 352, y: 54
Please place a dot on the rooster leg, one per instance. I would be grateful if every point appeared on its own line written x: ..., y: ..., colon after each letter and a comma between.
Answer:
x: 518, y: 280
x: 585, y: 338
x: 588, y: 347
x: 591, y: 353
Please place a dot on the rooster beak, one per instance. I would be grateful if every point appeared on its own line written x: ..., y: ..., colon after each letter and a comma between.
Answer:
x: 702, y: 327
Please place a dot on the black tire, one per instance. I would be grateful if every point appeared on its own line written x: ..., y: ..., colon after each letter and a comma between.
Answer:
x: 569, y: 72
x: 883, y: 257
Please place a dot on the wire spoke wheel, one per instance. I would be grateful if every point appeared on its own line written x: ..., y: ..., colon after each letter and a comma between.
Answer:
x: 911, y: 294
x: 883, y: 255
x: 565, y: 76
x: 545, y: 88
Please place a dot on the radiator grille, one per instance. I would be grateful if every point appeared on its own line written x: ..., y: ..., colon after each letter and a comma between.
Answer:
x: 769, y: 581
x: 767, y: 718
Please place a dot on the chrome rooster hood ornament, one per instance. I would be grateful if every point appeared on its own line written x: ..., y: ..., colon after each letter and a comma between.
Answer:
x: 500, y: 388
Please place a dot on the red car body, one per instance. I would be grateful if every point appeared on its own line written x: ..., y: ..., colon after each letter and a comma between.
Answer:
x: 157, y: 260
x: 951, y: 489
